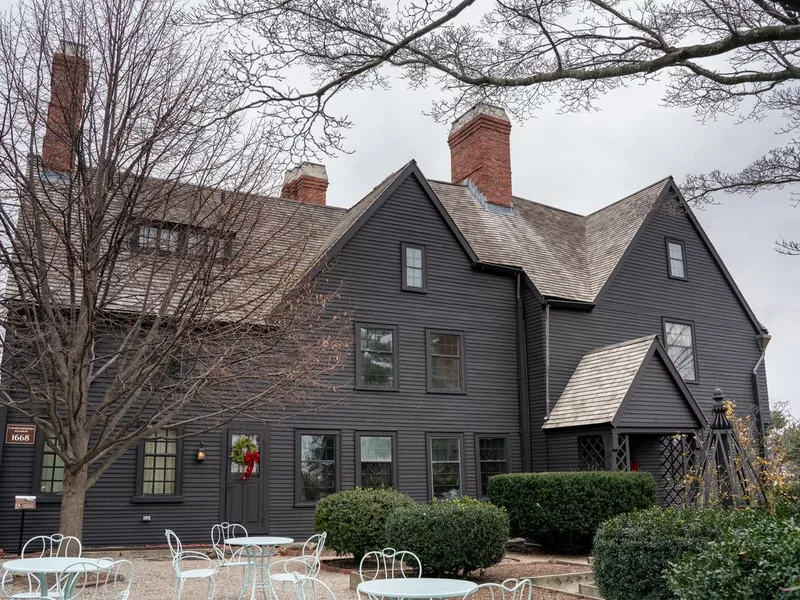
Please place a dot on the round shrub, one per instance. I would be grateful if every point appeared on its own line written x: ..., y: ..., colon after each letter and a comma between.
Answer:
x: 757, y: 561
x: 567, y: 508
x: 356, y: 519
x: 632, y: 551
x: 450, y: 537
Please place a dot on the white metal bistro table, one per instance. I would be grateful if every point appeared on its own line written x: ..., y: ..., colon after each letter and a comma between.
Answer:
x: 425, y: 587
x: 258, y: 564
x: 50, y: 565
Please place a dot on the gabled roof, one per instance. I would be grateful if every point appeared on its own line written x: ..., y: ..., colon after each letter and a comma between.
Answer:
x: 565, y: 255
x: 605, y: 378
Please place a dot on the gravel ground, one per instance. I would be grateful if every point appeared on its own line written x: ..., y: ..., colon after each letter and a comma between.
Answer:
x: 155, y: 580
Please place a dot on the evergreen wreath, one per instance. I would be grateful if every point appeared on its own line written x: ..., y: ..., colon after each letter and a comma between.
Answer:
x: 240, y: 447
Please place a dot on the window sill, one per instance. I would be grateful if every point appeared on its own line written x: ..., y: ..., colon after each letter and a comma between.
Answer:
x: 448, y: 392
x: 678, y: 278
x: 364, y: 388
x: 415, y: 290
x: 157, y: 500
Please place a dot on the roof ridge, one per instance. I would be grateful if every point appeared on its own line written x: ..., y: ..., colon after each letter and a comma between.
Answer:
x: 622, y: 344
x: 640, y: 190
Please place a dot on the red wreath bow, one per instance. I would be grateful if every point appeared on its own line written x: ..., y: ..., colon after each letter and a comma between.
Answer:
x: 251, y: 459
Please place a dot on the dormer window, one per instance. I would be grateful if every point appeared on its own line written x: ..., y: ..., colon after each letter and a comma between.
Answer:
x: 414, y: 275
x: 166, y: 237
x: 676, y: 259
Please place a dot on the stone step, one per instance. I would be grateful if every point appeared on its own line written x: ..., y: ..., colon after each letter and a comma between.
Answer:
x: 589, y: 589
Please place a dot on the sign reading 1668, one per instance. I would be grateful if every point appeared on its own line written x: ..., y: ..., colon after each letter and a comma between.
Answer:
x: 20, y: 435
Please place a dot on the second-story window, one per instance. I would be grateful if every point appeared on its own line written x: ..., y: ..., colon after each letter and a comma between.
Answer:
x: 376, y: 359
x: 679, y: 342
x: 676, y: 258
x: 445, y: 361
x: 414, y: 276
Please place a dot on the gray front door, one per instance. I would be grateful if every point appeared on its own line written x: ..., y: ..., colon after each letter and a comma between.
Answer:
x: 245, y: 500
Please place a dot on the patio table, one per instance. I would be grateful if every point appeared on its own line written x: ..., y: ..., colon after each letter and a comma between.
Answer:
x: 260, y: 564
x: 425, y: 587
x: 55, y: 565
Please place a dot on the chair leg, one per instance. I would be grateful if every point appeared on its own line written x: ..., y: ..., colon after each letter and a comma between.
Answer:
x: 211, y: 588
x: 178, y: 589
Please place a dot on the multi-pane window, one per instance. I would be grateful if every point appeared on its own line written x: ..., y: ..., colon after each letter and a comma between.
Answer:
x: 376, y: 461
x: 317, y: 466
x: 52, y: 476
x: 445, y: 467
x: 413, y: 267
x: 179, y: 238
x: 377, y: 357
x: 677, y: 260
x: 679, y: 341
x: 160, y: 463
x: 492, y: 459
x: 446, y: 361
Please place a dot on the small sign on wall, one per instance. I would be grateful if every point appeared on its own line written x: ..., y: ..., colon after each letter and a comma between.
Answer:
x: 24, y: 502
x: 20, y: 435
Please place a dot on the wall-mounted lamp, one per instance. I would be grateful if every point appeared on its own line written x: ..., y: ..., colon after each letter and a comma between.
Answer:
x: 201, y: 453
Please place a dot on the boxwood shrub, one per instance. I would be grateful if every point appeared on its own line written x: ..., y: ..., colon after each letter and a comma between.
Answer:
x: 566, y: 508
x: 356, y: 519
x: 756, y: 561
x: 450, y: 537
x: 632, y: 551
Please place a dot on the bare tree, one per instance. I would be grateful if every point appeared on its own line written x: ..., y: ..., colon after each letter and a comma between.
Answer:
x: 150, y: 284
x: 720, y: 56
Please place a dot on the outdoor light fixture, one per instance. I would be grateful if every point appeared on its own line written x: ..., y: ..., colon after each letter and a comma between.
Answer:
x: 201, y: 453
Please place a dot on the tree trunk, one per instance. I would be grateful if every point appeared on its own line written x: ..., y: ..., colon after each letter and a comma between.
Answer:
x: 73, y: 498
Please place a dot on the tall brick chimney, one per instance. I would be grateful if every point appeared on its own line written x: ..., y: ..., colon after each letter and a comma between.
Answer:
x: 480, y: 151
x: 306, y: 183
x: 65, y: 111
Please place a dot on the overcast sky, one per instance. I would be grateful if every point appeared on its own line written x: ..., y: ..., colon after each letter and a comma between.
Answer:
x: 582, y: 162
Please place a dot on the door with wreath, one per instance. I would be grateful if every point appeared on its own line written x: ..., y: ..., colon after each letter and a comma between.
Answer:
x: 244, y: 479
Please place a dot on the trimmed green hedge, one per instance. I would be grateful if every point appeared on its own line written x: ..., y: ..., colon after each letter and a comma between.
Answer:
x: 356, y: 519
x: 450, y: 537
x: 632, y: 551
x: 753, y: 561
x: 567, y: 508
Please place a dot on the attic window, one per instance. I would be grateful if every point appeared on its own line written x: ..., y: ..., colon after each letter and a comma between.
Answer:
x: 414, y: 275
x: 166, y: 237
x: 676, y: 258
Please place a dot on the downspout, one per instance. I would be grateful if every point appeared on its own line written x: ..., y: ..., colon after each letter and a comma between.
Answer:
x: 546, y: 382
x: 763, y: 341
x: 522, y: 377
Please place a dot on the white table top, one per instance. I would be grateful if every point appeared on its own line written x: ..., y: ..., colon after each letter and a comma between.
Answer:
x: 258, y: 540
x: 425, y: 587
x: 54, y: 564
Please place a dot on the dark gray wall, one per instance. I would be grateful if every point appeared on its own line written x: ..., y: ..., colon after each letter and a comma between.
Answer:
x: 480, y: 304
x: 642, y: 295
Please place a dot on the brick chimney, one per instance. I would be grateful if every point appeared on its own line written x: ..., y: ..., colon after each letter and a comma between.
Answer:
x: 480, y: 151
x: 306, y: 183
x: 67, y: 88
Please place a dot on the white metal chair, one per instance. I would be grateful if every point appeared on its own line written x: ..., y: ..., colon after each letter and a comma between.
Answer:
x: 227, y: 557
x: 306, y: 565
x: 112, y: 582
x: 510, y: 589
x: 41, y: 546
x: 311, y: 588
x: 207, y: 570
x: 389, y: 564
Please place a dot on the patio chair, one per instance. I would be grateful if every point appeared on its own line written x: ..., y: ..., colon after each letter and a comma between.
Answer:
x: 41, y: 546
x: 229, y: 557
x: 389, y: 564
x: 510, y: 589
x: 306, y: 565
x: 311, y: 588
x: 112, y: 582
x: 181, y: 559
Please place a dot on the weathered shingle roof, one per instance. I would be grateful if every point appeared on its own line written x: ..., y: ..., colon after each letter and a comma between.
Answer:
x: 599, y: 384
x: 564, y: 254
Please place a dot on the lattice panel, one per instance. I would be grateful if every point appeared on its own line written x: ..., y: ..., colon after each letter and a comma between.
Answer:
x: 592, y: 453
x: 623, y: 453
x: 677, y: 454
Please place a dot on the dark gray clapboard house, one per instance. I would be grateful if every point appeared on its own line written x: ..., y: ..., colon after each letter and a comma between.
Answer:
x: 491, y: 334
